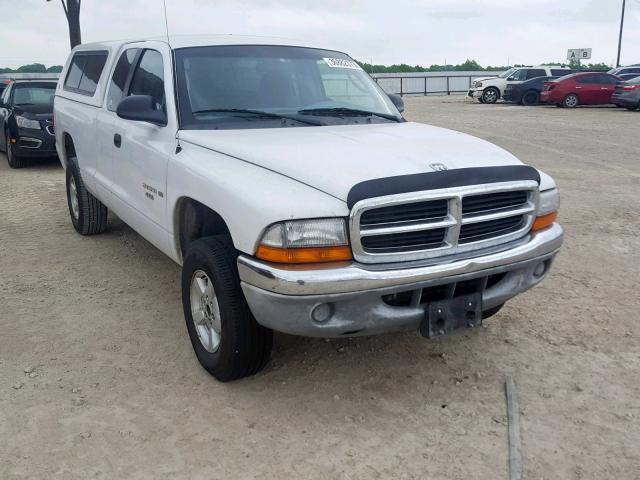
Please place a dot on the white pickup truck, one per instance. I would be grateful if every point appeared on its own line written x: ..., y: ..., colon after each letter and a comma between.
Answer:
x: 294, y: 194
x: 491, y: 89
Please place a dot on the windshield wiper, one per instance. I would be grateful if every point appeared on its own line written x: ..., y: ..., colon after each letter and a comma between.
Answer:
x: 347, y: 111
x: 258, y: 113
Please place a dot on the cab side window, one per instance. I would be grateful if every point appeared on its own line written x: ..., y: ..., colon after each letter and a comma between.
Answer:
x: 148, y: 78
x: 84, y: 72
x: 121, y: 76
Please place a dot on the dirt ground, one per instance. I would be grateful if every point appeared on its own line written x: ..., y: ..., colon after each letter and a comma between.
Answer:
x: 98, y: 379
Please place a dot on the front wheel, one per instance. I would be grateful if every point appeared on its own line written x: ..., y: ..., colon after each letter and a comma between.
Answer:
x: 490, y: 95
x: 225, y: 336
x: 13, y: 160
x: 571, y: 101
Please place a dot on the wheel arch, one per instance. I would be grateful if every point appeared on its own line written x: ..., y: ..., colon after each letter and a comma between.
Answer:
x: 68, y: 149
x: 193, y: 220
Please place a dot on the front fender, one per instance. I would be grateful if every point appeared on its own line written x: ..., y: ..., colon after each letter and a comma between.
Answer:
x: 246, y: 196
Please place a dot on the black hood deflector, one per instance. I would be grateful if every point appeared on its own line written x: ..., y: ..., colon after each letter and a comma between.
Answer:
x: 460, y: 177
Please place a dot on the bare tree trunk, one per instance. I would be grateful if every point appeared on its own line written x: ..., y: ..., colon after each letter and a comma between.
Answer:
x: 73, y: 19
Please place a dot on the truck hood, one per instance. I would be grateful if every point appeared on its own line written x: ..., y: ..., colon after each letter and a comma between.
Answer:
x: 335, y: 158
x: 482, y: 79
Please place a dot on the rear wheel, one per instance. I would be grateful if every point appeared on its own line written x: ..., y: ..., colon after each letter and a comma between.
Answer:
x: 225, y: 336
x: 571, y: 101
x: 530, y: 98
x: 13, y: 160
x: 88, y: 214
x: 490, y: 95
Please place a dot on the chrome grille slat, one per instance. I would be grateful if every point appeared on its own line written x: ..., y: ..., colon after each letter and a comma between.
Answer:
x: 403, y: 227
x: 476, y: 217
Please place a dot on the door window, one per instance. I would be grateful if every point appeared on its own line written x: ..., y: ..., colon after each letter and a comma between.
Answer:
x: 6, y: 94
x: 148, y: 78
x: 588, y: 79
x: 535, y: 73
x: 121, y: 75
x: 518, y: 76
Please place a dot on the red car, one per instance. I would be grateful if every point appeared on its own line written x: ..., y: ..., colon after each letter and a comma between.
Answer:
x: 588, y: 88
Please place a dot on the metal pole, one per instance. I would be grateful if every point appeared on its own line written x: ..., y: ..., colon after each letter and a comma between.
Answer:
x: 620, y: 37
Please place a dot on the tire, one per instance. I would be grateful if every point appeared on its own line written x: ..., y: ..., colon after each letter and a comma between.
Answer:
x: 492, y: 311
x: 490, y: 95
x: 530, y: 98
x: 226, y: 338
x: 12, y: 159
x: 480, y: 100
x: 88, y: 214
x: 571, y: 101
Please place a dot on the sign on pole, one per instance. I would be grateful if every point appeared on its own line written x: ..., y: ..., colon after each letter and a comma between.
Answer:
x: 577, y: 54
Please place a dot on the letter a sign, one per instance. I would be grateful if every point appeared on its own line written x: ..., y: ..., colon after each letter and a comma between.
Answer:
x: 577, y: 54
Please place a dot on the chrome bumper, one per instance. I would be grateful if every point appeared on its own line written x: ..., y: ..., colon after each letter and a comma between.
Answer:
x: 356, y: 277
x: 286, y: 299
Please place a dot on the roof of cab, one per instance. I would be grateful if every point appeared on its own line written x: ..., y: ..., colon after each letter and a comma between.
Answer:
x: 184, y: 41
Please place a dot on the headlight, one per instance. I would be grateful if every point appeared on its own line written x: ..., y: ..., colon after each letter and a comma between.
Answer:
x: 305, y: 241
x: 547, y: 210
x: 478, y: 84
x: 27, y: 123
x: 549, y: 202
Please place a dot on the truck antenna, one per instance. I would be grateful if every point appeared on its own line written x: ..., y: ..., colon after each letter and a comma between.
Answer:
x: 166, y: 21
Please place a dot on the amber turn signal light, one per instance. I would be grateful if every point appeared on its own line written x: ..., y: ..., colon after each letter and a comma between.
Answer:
x: 544, y: 221
x: 304, y: 255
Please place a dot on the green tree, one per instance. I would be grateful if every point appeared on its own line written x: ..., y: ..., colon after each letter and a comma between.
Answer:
x: 32, y: 68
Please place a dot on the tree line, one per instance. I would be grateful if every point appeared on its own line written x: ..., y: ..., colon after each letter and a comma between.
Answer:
x: 467, y: 66
x: 33, y: 68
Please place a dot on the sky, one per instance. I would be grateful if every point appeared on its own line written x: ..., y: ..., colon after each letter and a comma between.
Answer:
x: 424, y: 32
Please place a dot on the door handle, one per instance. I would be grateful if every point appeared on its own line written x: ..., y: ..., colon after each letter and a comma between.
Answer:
x: 117, y: 140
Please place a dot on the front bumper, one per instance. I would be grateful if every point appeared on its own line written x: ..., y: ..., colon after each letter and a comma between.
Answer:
x: 354, y: 297
x: 475, y: 92
x: 35, y: 143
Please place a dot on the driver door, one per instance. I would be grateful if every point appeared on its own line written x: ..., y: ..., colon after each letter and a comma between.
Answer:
x: 141, y: 150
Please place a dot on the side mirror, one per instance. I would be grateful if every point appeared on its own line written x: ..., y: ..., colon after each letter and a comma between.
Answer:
x: 141, y: 108
x: 397, y: 101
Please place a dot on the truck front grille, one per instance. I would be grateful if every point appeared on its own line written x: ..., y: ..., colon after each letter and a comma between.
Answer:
x: 443, y: 222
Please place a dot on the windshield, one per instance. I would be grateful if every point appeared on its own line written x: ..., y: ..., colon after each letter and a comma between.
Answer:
x: 507, y: 73
x: 34, y: 97
x: 264, y: 86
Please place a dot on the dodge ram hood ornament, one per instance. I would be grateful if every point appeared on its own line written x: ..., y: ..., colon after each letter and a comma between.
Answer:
x: 438, y: 167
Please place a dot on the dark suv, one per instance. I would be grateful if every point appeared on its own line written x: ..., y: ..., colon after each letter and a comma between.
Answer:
x: 526, y: 93
x: 26, y: 121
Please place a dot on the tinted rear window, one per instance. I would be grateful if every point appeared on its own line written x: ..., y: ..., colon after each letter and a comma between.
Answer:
x: 559, y: 73
x: 85, y: 71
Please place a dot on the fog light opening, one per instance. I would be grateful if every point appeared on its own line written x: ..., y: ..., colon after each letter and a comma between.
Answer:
x: 322, y: 313
x: 540, y: 270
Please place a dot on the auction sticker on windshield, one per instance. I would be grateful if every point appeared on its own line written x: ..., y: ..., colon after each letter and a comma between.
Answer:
x: 342, y: 63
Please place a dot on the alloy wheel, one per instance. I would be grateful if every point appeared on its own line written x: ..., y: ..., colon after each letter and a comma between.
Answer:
x: 205, y: 311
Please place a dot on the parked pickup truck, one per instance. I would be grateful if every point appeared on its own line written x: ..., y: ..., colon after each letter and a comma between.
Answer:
x: 491, y: 89
x: 294, y: 194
